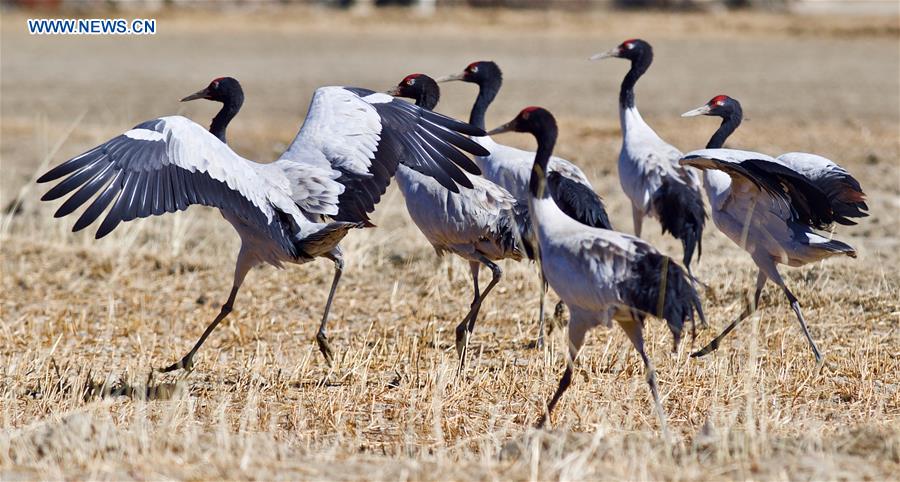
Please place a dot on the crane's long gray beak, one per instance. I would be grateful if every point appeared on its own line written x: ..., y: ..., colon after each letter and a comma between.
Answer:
x: 613, y: 52
x: 200, y: 94
x: 394, y: 92
x: 451, y: 77
x: 500, y: 130
x: 702, y: 110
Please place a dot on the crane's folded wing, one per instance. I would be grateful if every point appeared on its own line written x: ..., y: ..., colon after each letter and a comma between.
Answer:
x: 805, y: 202
x: 843, y: 190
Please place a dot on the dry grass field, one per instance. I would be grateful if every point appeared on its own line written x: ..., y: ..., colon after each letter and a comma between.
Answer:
x: 84, y: 322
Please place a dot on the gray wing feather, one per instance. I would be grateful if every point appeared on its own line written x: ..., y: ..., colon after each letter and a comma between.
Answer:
x: 166, y: 165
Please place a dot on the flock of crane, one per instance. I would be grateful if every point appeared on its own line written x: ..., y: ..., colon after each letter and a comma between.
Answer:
x: 502, y: 203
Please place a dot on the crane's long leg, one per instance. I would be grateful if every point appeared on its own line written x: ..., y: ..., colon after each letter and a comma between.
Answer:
x: 748, y: 310
x: 577, y: 331
x: 541, y: 323
x: 634, y: 331
x: 243, y: 266
x: 472, y: 316
x: 637, y: 217
x: 321, y: 338
x: 462, y: 333
x: 795, y: 305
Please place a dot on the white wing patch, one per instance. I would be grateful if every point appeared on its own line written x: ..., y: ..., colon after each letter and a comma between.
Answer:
x: 341, y: 130
x: 145, y: 135
x: 194, y: 148
x: 378, y: 98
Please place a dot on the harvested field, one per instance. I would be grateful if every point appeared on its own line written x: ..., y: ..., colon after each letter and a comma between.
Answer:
x: 84, y: 322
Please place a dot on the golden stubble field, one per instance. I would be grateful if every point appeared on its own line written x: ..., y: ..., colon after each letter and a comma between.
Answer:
x: 83, y: 322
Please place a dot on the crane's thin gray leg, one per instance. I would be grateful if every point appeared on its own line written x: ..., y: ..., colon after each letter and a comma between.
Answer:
x: 462, y: 334
x: 472, y: 317
x: 540, y: 341
x: 748, y: 310
x: 244, y: 264
x: 321, y: 338
x: 577, y: 330
x: 634, y: 331
x: 637, y: 217
x: 795, y: 305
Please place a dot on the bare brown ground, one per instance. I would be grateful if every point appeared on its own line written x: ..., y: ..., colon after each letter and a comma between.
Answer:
x: 83, y: 322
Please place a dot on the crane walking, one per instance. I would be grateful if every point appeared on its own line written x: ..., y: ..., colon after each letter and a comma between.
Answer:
x: 648, y: 166
x: 771, y: 207
x: 480, y: 225
x: 601, y: 275
x: 293, y: 210
x: 511, y: 168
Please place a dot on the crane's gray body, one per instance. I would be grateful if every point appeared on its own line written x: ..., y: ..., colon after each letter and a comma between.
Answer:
x: 470, y: 222
x: 645, y: 160
x: 510, y: 168
x: 759, y: 223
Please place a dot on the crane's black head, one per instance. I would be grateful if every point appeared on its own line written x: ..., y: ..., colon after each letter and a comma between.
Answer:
x: 481, y: 73
x: 719, y: 106
x: 635, y: 50
x: 534, y: 120
x: 419, y: 87
x: 540, y: 123
x: 226, y: 90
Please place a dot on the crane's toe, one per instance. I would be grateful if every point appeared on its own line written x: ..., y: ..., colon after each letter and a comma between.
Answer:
x: 325, y: 348
x: 186, y: 363
x: 706, y: 350
x: 462, y: 337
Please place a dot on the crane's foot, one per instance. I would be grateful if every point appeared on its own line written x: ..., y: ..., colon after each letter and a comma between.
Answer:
x: 462, y: 337
x: 820, y: 360
x: 559, y: 315
x: 186, y: 364
x: 325, y: 348
x: 706, y: 350
x: 541, y: 422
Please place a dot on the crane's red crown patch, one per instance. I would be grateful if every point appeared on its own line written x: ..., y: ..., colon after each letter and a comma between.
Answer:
x: 410, y: 77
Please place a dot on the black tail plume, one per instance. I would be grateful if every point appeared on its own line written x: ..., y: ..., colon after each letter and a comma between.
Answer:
x: 681, y: 212
x: 658, y: 286
x: 846, y: 197
x: 524, y: 233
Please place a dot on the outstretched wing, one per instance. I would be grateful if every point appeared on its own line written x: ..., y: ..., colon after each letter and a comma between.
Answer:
x: 364, y: 135
x: 807, y: 204
x: 166, y: 165
x: 843, y: 190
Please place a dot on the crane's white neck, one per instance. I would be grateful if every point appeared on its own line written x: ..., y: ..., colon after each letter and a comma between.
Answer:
x: 634, y: 129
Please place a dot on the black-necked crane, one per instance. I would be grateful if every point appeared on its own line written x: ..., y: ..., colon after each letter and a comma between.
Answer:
x: 648, y: 166
x: 293, y: 210
x: 511, y: 168
x: 771, y: 207
x: 480, y: 225
x: 601, y: 275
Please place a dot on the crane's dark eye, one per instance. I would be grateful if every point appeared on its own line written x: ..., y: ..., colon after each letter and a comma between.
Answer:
x: 214, y: 85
